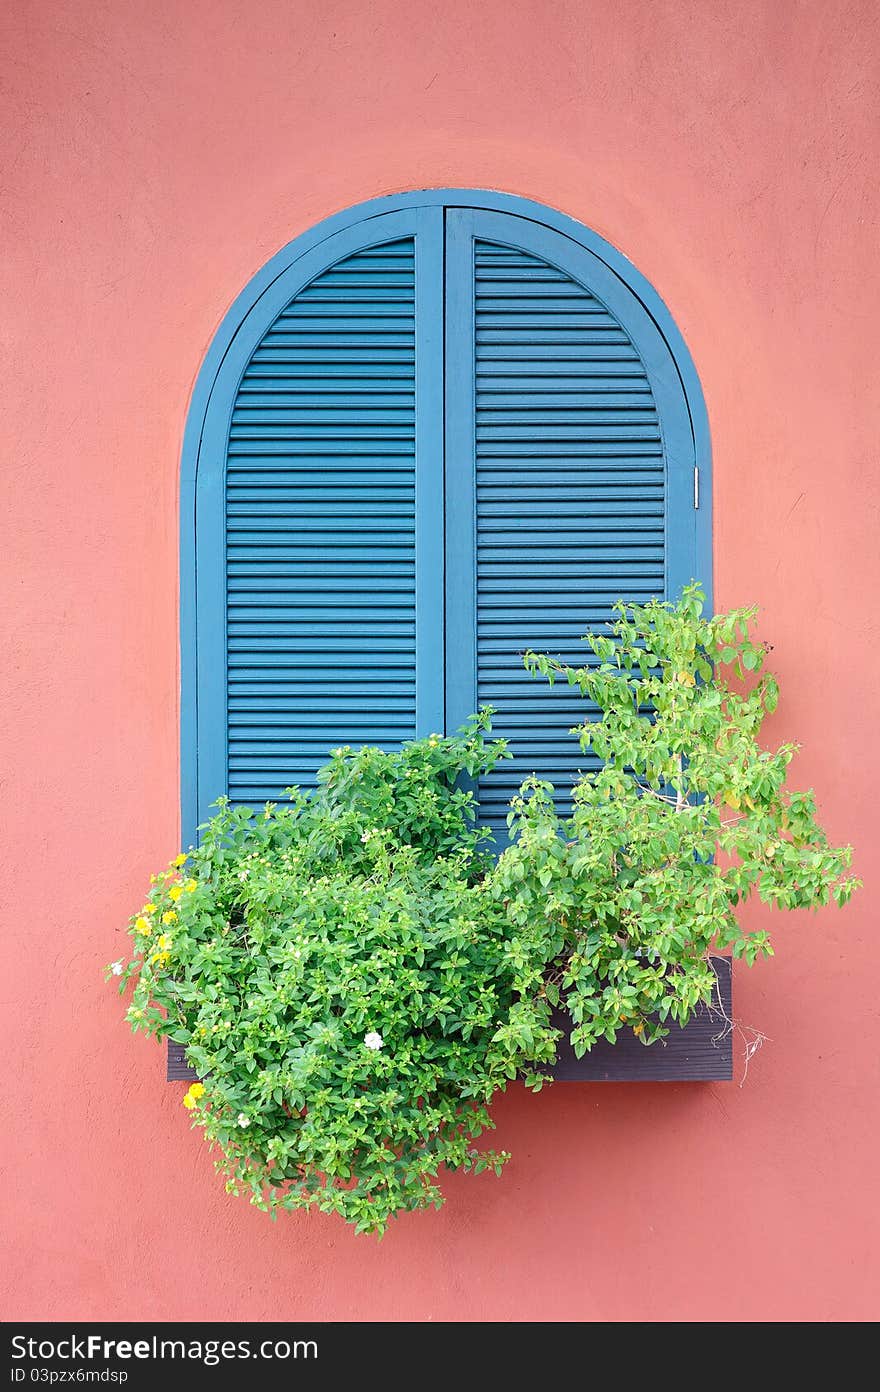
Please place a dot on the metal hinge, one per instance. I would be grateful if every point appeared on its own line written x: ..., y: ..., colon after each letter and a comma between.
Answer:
x: 696, y: 487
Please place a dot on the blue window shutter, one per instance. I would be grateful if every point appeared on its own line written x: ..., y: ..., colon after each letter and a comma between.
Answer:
x: 433, y: 431
x: 320, y: 541
x: 569, y: 464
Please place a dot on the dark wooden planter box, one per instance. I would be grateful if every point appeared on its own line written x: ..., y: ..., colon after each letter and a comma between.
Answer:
x: 702, y: 1052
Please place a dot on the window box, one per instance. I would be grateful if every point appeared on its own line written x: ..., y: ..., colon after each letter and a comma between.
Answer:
x: 701, y: 1052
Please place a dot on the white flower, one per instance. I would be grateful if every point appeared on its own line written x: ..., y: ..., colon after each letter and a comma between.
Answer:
x: 116, y: 967
x: 243, y: 1120
x: 365, y: 836
x: 373, y: 1040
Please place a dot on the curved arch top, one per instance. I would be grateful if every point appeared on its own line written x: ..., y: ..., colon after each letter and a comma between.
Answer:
x: 437, y: 217
x: 488, y: 199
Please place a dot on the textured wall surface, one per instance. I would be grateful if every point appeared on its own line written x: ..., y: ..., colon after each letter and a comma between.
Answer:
x: 155, y: 156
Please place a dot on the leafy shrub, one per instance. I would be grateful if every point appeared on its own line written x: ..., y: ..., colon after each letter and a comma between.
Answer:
x: 682, y: 817
x: 354, y: 978
x: 342, y: 981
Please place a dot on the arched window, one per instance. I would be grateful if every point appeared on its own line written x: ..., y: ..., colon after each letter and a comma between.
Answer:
x: 436, y: 430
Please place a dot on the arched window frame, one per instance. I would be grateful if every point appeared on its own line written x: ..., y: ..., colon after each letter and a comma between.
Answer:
x: 255, y: 308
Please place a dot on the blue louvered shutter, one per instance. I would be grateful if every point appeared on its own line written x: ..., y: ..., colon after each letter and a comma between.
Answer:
x: 437, y: 438
x: 330, y: 566
x: 567, y: 486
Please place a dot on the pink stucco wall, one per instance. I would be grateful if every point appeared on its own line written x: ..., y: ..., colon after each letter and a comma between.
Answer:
x: 155, y: 156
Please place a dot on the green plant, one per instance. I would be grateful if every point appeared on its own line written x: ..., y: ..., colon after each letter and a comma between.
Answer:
x: 681, y: 818
x: 343, y: 982
x: 354, y: 978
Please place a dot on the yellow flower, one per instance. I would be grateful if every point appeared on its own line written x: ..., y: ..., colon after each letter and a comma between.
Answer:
x: 143, y: 925
x: 169, y: 916
x: 175, y: 892
x: 179, y: 860
x: 166, y: 942
x: 193, y: 1093
x: 161, y: 958
x: 149, y: 908
x: 191, y: 886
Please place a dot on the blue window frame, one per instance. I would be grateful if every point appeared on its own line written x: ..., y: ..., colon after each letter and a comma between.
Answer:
x: 433, y: 431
